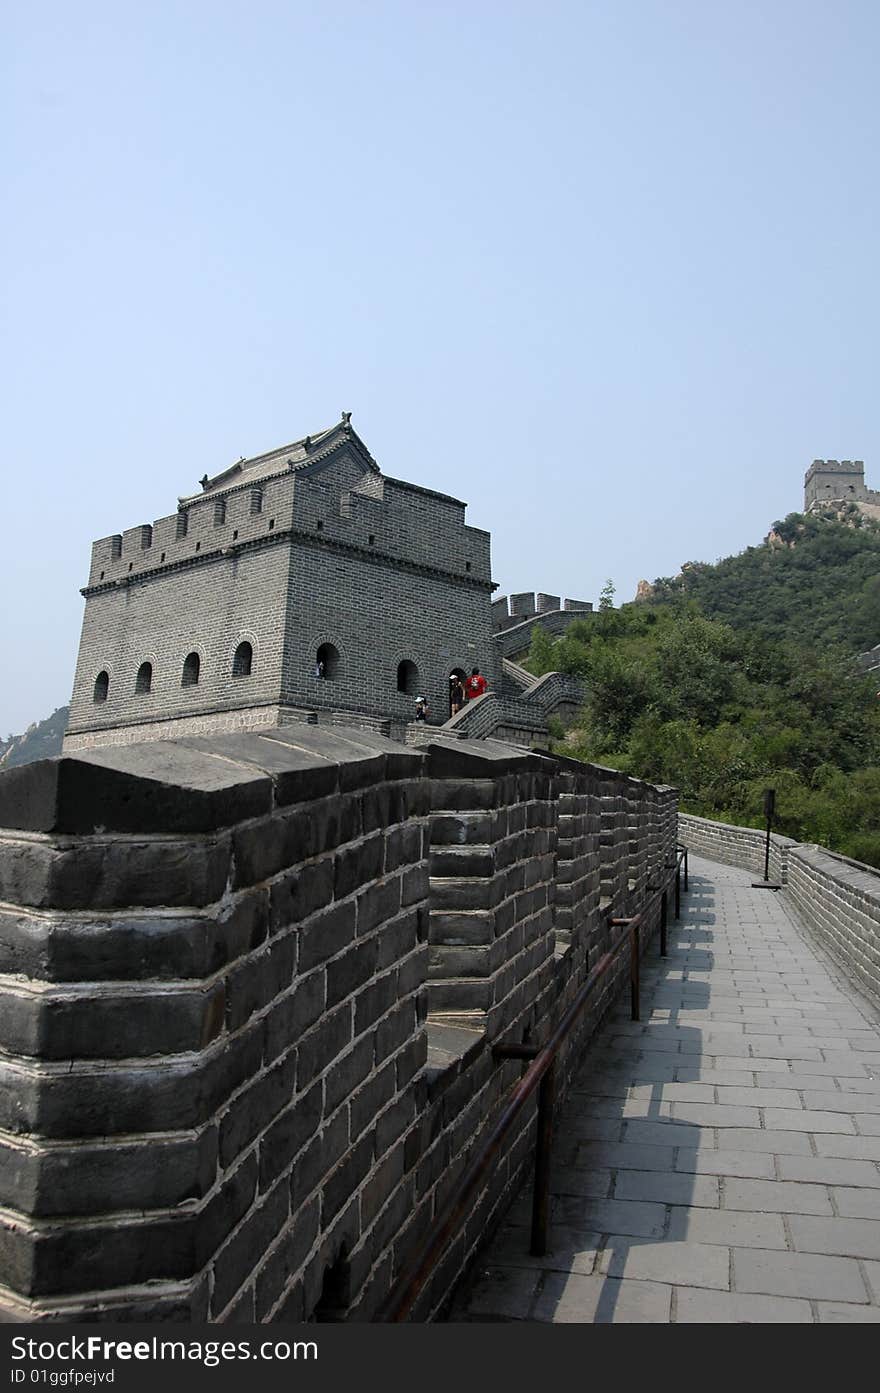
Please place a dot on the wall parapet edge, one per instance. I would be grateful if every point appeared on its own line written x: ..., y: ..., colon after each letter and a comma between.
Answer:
x: 837, y: 898
x: 250, y: 986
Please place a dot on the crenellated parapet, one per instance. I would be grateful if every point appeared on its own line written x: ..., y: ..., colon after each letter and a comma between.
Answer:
x: 835, y: 481
x: 298, y: 580
x: 250, y: 989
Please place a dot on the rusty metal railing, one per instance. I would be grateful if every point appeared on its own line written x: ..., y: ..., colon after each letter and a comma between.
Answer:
x: 540, y: 1075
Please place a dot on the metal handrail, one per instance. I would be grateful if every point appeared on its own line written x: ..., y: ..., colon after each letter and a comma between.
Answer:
x: 539, y: 1075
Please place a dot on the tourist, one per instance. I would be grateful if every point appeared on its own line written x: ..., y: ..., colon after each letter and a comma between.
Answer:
x: 475, y: 685
x: 421, y: 709
x: 457, y: 696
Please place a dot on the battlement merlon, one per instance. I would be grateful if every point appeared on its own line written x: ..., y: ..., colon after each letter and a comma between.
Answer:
x: 833, y: 466
x: 327, y: 482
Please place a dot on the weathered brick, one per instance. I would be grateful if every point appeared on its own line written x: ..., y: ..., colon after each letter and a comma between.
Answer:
x: 351, y: 970
x: 359, y: 864
x: 346, y: 1072
x: 322, y: 1044
x: 239, y: 1257
x: 325, y: 935
x: 342, y: 1183
x: 289, y: 1133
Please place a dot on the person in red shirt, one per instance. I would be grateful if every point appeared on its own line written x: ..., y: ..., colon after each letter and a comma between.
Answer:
x: 476, y: 685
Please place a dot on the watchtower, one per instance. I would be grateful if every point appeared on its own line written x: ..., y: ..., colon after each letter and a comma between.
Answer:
x: 834, y: 481
x: 296, y: 582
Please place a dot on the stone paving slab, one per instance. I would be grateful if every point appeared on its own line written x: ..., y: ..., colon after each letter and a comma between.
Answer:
x: 857, y: 1203
x: 718, y: 1161
x: 602, y: 1301
x: 684, y: 1263
x: 725, y: 1163
x: 838, y: 1313
x: 735, y: 1308
x: 730, y: 1228
x: 826, y: 1170
x: 797, y: 1274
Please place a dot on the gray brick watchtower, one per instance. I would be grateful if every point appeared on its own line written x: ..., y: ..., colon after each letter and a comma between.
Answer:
x: 300, y: 581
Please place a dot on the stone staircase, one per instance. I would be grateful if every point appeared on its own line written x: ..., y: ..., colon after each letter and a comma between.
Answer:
x: 462, y: 931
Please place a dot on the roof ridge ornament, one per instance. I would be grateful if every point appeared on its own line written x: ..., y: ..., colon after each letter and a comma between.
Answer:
x: 346, y: 420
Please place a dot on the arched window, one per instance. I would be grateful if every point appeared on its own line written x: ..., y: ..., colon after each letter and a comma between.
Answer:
x: 327, y: 663
x: 219, y: 512
x: 243, y: 660
x: 144, y: 680
x: 256, y: 500
x: 407, y: 677
x: 102, y: 686
x: 182, y: 525
x: 191, y: 666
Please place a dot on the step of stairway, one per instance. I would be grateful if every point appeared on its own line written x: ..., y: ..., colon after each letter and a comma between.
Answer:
x: 461, y: 861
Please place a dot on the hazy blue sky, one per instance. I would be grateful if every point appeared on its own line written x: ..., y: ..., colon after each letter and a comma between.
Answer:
x: 607, y: 271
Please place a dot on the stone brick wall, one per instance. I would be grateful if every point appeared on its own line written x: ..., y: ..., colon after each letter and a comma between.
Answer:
x: 735, y: 846
x: 834, y: 479
x: 516, y: 637
x: 489, y: 713
x: 337, y: 553
x: 209, y: 723
x: 492, y: 866
x: 870, y: 661
x: 507, y: 611
x: 839, y: 899
x: 250, y: 987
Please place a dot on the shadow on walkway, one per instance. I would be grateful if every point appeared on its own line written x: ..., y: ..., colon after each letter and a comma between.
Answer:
x: 720, y: 1159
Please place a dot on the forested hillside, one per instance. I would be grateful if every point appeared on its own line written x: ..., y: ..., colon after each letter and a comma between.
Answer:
x: 40, y: 741
x: 815, y: 581
x: 739, y: 676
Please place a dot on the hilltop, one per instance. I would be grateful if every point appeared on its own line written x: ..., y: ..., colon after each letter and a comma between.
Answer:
x: 814, y: 579
x: 731, y: 678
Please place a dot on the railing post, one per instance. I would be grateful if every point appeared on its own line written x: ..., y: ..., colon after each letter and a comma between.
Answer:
x: 664, y: 915
x: 541, y: 1195
x: 678, y: 891
x: 686, y: 869
x: 634, y: 971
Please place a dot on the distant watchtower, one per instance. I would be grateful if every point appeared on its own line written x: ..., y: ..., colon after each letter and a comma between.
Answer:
x: 834, y: 481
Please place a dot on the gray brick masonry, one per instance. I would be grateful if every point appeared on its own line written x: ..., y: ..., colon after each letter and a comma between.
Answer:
x: 303, y: 553
x: 250, y: 987
x: 839, y: 897
x: 691, y: 1183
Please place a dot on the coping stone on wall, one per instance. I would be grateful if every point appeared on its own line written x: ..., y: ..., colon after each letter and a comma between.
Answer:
x: 351, y: 744
x: 481, y: 758
x: 133, y: 788
x: 194, y: 785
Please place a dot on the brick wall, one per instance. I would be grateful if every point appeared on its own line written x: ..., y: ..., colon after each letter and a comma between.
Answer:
x: 516, y: 638
x: 838, y: 899
x: 337, y: 554
x: 735, y: 846
x: 250, y: 987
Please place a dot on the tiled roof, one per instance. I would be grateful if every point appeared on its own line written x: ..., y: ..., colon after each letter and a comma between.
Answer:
x: 296, y: 456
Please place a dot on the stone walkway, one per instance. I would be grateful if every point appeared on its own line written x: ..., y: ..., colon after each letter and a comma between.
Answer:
x: 719, y: 1161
